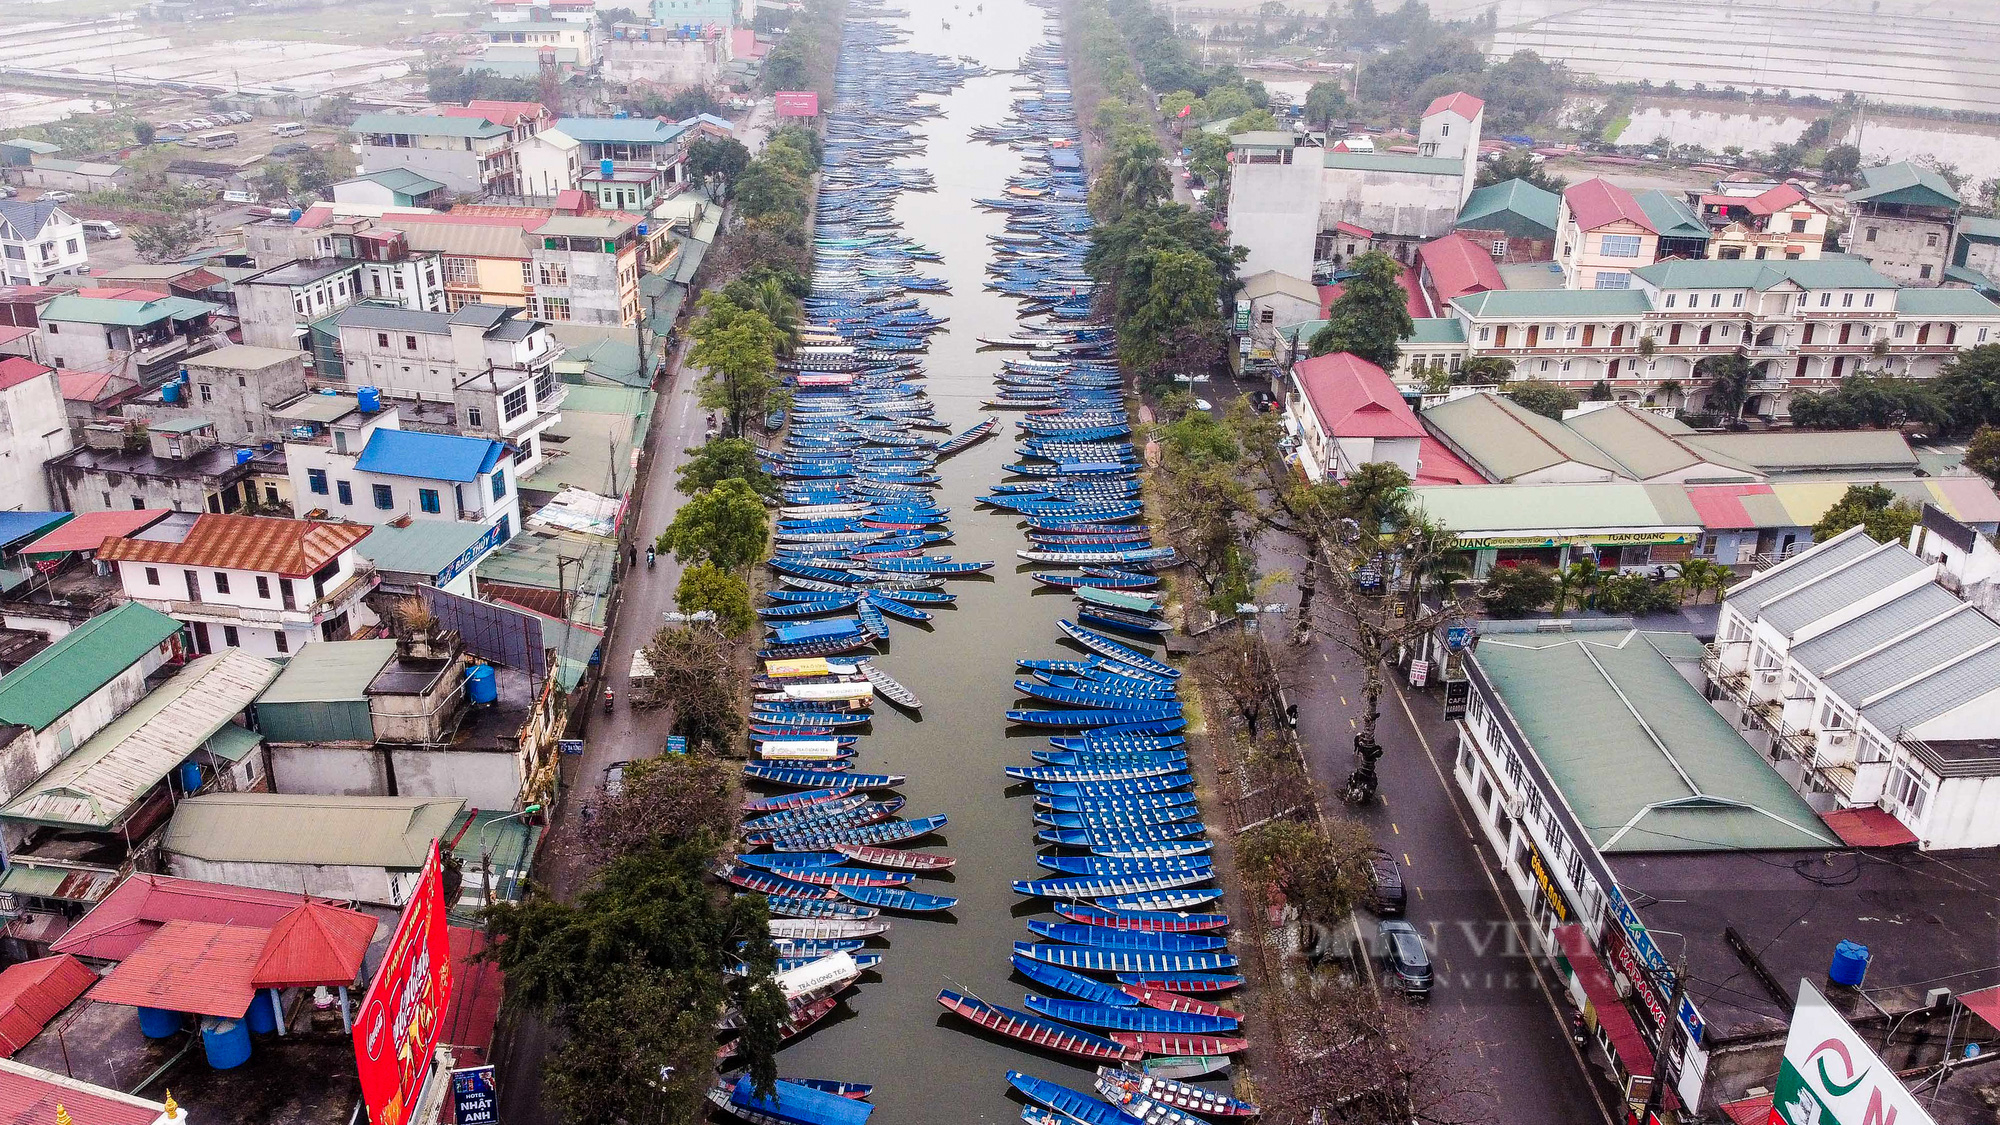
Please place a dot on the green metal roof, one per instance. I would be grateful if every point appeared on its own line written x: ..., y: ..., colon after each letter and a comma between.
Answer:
x: 1945, y: 302
x: 1656, y: 769
x: 424, y: 547
x: 1779, y: 451
x: 1904, y: 182
x: 1264, y: 138
x: 1526, y: 303
x: 1505, y: 440
x: 1978, y: 228
x: 1649, y: 445
x: 336, y: 831
x: 400, y: 180
x: 71, y: 309
x: 1833, y: 272
x: 1515, y: 206
x: 599, y: 428
x: 427, y: 126
x: 83, y: 660
x: 1475, y: 510
x: 1436, y: 330
x: 616, y: 361
x: 1671, y: 216
x: 329, y: 671
x: 233, y: 743
x: 1394, y: 162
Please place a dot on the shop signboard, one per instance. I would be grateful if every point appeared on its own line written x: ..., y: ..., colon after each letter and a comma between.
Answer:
x: 1657, y: 971
x: 797, y: 103
x: 1577, y: 539
x: 396, y: 1034
x: 1545, y: 882
x: 1830, y: 1076
x: 1457, y: 694
x: 472, y: 1092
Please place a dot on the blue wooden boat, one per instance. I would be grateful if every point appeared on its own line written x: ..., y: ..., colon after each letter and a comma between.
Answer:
x: 772, y: 883
x: 801, y: 798
x: 1092, y: 886
x: 1143, y: 1095
x: 1134, y: 787
x: 1159, y: 850
x: 1118, y: 818
x: 1180, y: 898
x: 1143, y: 964
x: 769, y: 721
x: 1136, y: 623
x: 815, y: 947
x: 1110, y: 758
x: 844, y: 878
x: 1100, y: 837
x: 1182, y: 981
x: 789, y: 633
x: 1108, y: 700
x: 818, y: 779
x: 896, y: 609
x: 1106, y: 865
x: 967, y: 437
x: 1105, y: 937
x: 1076, y: 581
x: 1090, y: 773
x: 897, y: 898
x: 1070, y: 1105
x: 832, y: 812
x: 790, y: 1103
x: 808, y: 609
x: 1066, y: 803
x: 886, y: 832
x: 795, y: 906
x: 929, y: 566
x: 1113, y: 1018
x: 1124, y: 654
x: 1157, y: 921
x: 1073, y: 984
x: 1107, y: 684
x: 1118, y: 740
x: 1088, y: 718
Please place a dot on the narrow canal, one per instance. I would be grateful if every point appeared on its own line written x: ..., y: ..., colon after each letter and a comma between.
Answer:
x: 929, y: 1066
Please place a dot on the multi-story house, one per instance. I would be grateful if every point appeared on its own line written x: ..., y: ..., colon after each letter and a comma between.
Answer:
x: 1901, y: 219
x: 523, y: 119
x: 237, y: 387
x: 509, y: 40
x: 392, y: 187
x: 646, y: 157
x: 1602, y: 235
x: 469, y: 155
x: 362, y: 466
x: 1514, y: 220
x: 34, y: 427
x: 277, y: 306
x: 175, y: 463
x: 587, y: 269
x: 1762, y: 221
x: 131, y: 332
x: 550, y: 162
x: 259, y: 583
x: 495, y: 368
x: 39, y: 241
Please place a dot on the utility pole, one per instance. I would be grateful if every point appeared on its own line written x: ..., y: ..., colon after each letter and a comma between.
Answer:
x: 1670, y: 1036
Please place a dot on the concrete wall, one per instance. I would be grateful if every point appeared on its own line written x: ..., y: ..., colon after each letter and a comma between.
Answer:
x: 34, y: 426
x: 238, y: 401
x: 667, y: 62
x: 1403, y: 204
x: 456, y: 169
x: 1274, y: 212
x: 360, y: 884
x: 1902, y: 247
x: 487, y: 779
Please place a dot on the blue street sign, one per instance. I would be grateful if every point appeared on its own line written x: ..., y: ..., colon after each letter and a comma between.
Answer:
x: 677, y: 744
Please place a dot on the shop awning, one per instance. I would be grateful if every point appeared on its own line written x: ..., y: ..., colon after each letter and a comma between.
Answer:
x: 1633, y: 1053
x: 1868, y: 828
x: 1984, y: 1003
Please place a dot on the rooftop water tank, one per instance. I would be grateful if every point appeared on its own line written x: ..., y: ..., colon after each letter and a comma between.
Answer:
x: 243, y: 456
x: 295, y: 214
x: 170, y: 393
x: 621, y: 115
x: 1850, y: 964
x: 480, y: 684
x: 226, y: 1042
x: 369, y: 399
x: 604, y: 168
x: 190, y: 777
x: 642, y: 230
x: 158, y: 1023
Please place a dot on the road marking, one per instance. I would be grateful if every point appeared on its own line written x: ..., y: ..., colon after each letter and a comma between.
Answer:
x: 1420, y: 890
x: 1452, y: 796
x: 1406, y: 860
x: 1343, y: 701
x: 1396, y: 828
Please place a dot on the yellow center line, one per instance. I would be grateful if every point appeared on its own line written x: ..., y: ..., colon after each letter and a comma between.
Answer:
x: 1396, y: 828
x: 1406, y: 860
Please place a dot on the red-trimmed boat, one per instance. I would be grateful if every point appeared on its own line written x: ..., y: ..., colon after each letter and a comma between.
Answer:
x: 1035, y: 1030
x: 1146, y: 921
x: 1175, y: 1002
x: 1167, y: 1043
x: 894, y: 857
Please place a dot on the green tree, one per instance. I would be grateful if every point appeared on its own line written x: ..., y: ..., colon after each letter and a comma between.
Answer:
x: 767, y: 294
x: 716, y: 162
x: 1371, y: 314
x: 1867, y: 399
x: 1702, y: 576
x: 1969, y: 385
x: 1519, y: 164
x: 1982, y: 454
x: 143, y: 132
x: 1517, y: 591
x: 1172, y: 103
x: 1574, y: 584
x: 766, y: 190
x: 724, y: 459
x: 1324, y: 102
x: 1550, y: 400
x: 1323, y: 875
x: 1208, y: 157
x: 1842, y: 164
x: 1257, y: 120
x: 1485, y: 369
x: 1884, y: 516
x: 169, y: 240
x: 1224, y: 102
x: 705, y: 587
x: 1729, y: 378
x: 1134, y: 179
x: 737, y: 350
x: 725, y: 526
x: 1181, y: 291
x: 785, y: 67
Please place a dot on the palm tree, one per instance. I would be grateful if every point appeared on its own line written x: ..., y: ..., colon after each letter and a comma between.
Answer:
x: 1668, y: 390
x: 1578, y: 579
x: 781, y: 309
x: 1137, y: 177
x: 1698, y: 576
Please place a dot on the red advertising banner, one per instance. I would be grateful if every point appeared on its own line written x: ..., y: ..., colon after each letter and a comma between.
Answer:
x: 397, y: 1032
x: 798, y: 103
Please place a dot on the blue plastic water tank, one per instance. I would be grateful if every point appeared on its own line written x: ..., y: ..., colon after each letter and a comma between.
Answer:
x: 621, y: 115
x: 604, y: 168
x: 226, y: 1042
x: 369, y: 399
x: 190, y: 777
x: 1850, y: 964
x: 158, y: 1023
x: 170, y: 392
x: 295, y: 214
x: 480, y: 684
x: 243, y: 455
x: 642, y: 230
x: 261, y: 1019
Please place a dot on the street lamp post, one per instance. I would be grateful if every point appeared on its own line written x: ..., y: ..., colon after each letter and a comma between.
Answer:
x: 486, y: 854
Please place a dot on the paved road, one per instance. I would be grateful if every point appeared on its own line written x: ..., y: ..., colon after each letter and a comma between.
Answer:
x: 1487, y: 993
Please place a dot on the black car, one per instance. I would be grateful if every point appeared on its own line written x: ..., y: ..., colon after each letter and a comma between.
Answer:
x: 1263, y: 402
x: 1403, y: 956
x: 1390, y: 897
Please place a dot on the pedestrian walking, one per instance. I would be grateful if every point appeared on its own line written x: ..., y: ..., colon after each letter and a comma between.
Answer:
x: 631, y: 556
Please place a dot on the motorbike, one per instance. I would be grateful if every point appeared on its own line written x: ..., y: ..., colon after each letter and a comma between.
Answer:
x: 649, y: 558
x: 608, y: 696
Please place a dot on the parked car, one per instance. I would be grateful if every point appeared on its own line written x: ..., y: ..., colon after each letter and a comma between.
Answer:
x: 1391, y: 899
x: 614, y: 778
x: 1401, y: 950
x: 1263, y: 402
x: 56, y: 197
x: 200, y: 123
x: 100, y: 228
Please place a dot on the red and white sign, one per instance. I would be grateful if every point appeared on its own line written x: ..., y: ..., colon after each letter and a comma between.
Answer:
x: 798, y: 103
x: 397, y: 1032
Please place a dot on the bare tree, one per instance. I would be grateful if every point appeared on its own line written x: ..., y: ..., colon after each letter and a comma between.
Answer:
x: 1343, y: 1056
x: 693, y: 674
x: 673, y: 797
x: 1322, y: 872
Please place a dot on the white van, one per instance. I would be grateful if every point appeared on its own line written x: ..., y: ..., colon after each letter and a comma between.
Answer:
x: 289, y: 129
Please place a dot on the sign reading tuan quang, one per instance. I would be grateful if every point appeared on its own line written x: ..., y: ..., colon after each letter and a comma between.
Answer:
x: 396, y: 1036
x: 1830, y: 1076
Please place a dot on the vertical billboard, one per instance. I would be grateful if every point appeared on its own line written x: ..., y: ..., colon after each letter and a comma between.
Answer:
x: 396, y: 1035
x: 1830, y: 1076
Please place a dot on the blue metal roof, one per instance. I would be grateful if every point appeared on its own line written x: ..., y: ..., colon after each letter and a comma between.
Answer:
x: 411, y: 453
x: 16, y: 526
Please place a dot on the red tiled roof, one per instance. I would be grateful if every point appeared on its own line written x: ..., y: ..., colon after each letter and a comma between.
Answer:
x: 743, y: 44
x: 86, y: 531
x: 1351, y: 228
x: 1354, y: 398
x: 1437, y: 464
x: 199, y: 967
x: 1985, y: 1003
x: 1461, y: 103
x: 1868, y: 827
x: 143, y: 903
x: 1414, y: 300
x: 500, y: 113
x: 15, y: 370
x: 195, y: 280
x: 291, y: 548
x: 315, y: 944
x: 35, y: 992
x: 1777, y: 199
x: 475, y: 998
x: 12, y: 332
x: 1328, y: 294
x: 1459, y: 266
x: 1720, y: 506
x: 30, y: 1095
x: 89, y: 386
x: 1597, y: 202
x: 572, y: 201
x: 124, y: 293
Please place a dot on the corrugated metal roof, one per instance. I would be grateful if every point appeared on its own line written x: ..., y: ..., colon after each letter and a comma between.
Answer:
x: 1779, y: 451
x: 330, y: 671
x: 198, y: 967
x: 1504, y: 440
x: 315, y: 944
x: 1656, y: 768
x: 267, y: 544
x: 319, y: 407
x: 427, y: 126
x: 1904, y: 182
x: 1750, y: 596
x: 16, y: 526
x: 1493, y: 509
x: 86, y: 658
x: 415, y: 453
x: 388, y: 832
x: 143, y: 902
x: 1945, y: 642
x: 1392, y: 162
x: 1945, y: 302
x: 1843, y: 586
x: 72, y: 309
x: 1519, y: 303
x: 1511, y: 198
x: 1648, y: 445
x: 424, y: 547
x: 30, y: 1096
x: 104, y: 778
x: 1880, y: 625
x: 34, y: 992
x: 233, y: 743
x: 88, y: 530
